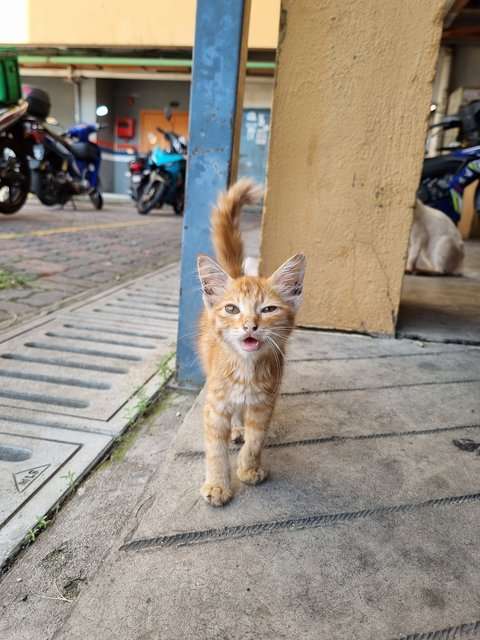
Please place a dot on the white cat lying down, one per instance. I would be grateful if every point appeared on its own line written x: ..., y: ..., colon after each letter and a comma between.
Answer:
x: 435, y: 246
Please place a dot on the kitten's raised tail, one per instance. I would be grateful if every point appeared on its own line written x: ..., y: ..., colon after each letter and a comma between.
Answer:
x: 226, y: 236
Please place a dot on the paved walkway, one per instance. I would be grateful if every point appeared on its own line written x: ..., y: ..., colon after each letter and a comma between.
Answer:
x: 54, y: 256
x: 367, y: 528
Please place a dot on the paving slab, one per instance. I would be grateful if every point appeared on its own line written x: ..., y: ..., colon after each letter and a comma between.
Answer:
x: 38, y: 464
x: 333, y: 346
x: 334, y: 376
x: 334, y: 477
x: 71, y: 379
x: 84, y: 364
x: 365, y: 529
x: 41, y: 586
x: 390, y: 577
x: 94, y: 394
x: 335, y: 388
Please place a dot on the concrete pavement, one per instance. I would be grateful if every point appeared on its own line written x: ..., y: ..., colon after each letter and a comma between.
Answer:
x: 64, y: 329
x: 366, y: 528
x: 41, y: 588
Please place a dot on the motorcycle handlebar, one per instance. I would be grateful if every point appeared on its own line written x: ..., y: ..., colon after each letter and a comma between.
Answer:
x: 174, y: 139
x: 168, y: 134
x: 451, y: 122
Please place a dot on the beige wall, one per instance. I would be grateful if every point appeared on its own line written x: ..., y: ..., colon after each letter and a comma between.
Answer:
x: 122, y: 23
x: 351, y: 101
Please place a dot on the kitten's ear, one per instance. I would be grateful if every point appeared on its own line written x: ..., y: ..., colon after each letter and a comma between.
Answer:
x: 213, y: 279
x: 288, y: 279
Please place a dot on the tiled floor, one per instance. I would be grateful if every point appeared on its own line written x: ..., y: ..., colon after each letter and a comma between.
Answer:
x: 442, y: 308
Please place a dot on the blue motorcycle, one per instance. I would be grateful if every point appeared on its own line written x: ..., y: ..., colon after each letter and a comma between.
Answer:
x: 65, y: 165
x: 163, y: 179
x: 445, y: 177
x: 87, y: 158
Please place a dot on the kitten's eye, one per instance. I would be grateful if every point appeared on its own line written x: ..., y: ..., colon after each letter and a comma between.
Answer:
x: 232, y: 309
x: 269, y: 309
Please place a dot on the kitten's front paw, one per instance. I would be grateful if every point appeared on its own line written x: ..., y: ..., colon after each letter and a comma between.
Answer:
x: 251, y: 475
x: 216, y: 496
x: 237, y: 435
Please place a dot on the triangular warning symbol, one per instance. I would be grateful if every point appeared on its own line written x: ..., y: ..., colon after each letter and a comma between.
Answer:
x: 24, y: 479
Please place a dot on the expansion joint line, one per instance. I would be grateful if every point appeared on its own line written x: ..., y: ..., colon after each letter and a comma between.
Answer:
x: 341, y: 439
x: 406, y: 385
x: 187, y: 538
x: 466, y: 630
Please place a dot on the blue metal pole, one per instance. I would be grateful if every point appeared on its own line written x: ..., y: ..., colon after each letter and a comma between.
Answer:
x: 219, y: 58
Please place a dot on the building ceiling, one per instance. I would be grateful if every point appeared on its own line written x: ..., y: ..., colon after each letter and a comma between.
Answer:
x: 462, y: 22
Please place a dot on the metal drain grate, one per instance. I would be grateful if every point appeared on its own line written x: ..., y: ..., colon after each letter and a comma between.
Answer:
x: 67, y: 388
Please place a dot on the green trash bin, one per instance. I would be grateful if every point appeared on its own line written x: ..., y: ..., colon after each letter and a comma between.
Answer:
x: 10, y: 85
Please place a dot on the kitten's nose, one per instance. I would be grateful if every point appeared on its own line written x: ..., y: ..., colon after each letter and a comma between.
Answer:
x: 250, y: 327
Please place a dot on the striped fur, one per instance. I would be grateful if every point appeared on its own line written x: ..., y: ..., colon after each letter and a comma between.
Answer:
x: 244, y: 330
x: 226, y: 236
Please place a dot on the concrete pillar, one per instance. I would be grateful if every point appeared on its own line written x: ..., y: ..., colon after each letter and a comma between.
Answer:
x: 350, y: 108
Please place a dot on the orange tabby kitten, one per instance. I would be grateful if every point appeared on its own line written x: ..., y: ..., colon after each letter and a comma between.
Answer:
x: 244, y: 330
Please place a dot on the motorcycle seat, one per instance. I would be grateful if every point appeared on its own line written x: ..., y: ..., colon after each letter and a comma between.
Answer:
x: 438, y: 167
x: 86, y: 151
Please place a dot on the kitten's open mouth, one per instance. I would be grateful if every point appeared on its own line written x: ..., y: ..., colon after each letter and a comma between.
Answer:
x: 250, y: 344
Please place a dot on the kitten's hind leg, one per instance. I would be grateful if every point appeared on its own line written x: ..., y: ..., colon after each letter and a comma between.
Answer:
x: 257, y: 420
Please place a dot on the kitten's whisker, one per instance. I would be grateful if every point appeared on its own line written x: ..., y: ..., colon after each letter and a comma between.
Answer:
x: 278, y: 379
x: 186, y: 335
x: 194, y: 361
x: 278, y: 360
x: 280, y: 336
x: 281, y: 339
x: 189, y: 274
x: 278, y: 329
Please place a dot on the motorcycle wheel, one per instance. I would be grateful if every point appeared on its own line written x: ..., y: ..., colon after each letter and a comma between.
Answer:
x: 97, y: 199
x: 14, y: 177
x: 46, y: 187
x: 149, y: 196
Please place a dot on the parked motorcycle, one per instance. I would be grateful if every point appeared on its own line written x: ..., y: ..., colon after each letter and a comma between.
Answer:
x: 14, y: 167
x: 88, y: 157
x: 445, y: 177
x: 137, y: 173
x: 33, y: 157
x: 160, y: 178
x: 63, y: 165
